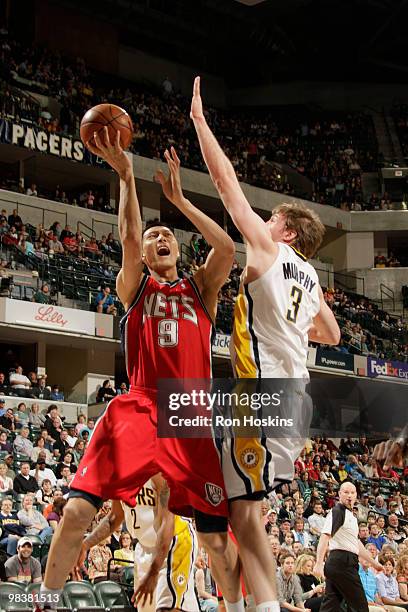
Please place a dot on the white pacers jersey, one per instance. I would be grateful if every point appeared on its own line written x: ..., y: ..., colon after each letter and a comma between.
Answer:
x: 140, y: 519
x: 272, y: 317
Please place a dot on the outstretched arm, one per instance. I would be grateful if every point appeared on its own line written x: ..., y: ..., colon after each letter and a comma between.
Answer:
x: 251, y: 225
x: 106, y: 527
x: 130, y: 221
x: 214, y: 272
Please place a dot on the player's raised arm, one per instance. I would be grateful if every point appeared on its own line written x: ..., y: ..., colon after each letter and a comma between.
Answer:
x: 325, y: 328
x: 130, y: 221
x: 251, y: 225
x: 213, y: 274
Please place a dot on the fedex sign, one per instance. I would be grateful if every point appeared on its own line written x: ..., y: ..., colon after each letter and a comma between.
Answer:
x: 379, y: 367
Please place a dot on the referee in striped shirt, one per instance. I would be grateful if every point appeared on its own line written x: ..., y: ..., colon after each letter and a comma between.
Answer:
x: 340, y: 535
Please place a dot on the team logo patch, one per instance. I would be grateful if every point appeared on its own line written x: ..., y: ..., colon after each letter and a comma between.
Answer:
x: 181, y: 579
x: 84, y: 471
x: 213, y: 493
x: 249, y: 458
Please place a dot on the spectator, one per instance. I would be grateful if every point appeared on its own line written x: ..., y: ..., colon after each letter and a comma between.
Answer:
x: 312, y: 590
x: 402, y: 576
x: 19, y: 382
x: 61, y: 446
x: 125, y: 552
x: 299, y: 533
x: 105, y: 392
x: 78, y: 451
x: 57, y: 510
x: 7, y: 421
x: 290, y: 592
x: 41, y: 472
x: 32, y: 520
x: 66, y: 462
x: 11, y: 529
x: 32, y: 190
x: 56, y: 394
x: 208, y: 602
x: 15, y: 220
x: 380, y: 506
x: 9, y: 461
x: 24, y: 482
x: 5, y: 445
x: 41, y: 448
x: 98, y: 558
x: 387, y: 585
x: 35, y: 418
x: 42, y: 296
x: 64, y: 482
x: 22, y: 443
x: 316, y: 521
x: 122, y: 389
x: 6, y: 483
x: 44, y: 495
x: 23, y: 567
x: 369, y: 583
x: 42, y: 392
x: 81, y: 423
x: 21, y: 415
x: 104, y: 302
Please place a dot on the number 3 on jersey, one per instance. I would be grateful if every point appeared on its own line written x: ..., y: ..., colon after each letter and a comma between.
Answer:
x: 168, y: 332
x: 293, y: 309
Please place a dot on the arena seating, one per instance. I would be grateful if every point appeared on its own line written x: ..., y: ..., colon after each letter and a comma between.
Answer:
x: 331, y: 149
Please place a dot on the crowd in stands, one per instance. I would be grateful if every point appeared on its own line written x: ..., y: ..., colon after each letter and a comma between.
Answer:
x: 366, y: 329
x: 18, y: 384
x: 39, y: 461
x: 330, y: 149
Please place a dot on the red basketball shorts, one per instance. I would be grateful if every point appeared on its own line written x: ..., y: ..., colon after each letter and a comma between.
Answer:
x: 124, y: 452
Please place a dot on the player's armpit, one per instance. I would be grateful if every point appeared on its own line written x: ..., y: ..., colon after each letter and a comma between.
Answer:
x: 212, y: 275
x: 325, y: 329
x: 128, y: 281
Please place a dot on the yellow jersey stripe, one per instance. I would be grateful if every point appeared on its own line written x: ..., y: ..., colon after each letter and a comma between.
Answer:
x: 245, y: 366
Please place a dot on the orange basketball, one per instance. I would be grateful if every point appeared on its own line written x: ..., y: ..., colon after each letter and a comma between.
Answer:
x: 114, y: 117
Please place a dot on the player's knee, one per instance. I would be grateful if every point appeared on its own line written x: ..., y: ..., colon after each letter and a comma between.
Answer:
x: 216, y: 544
x: 76, y: 516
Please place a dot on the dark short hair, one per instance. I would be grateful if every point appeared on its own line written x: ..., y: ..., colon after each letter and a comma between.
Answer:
x: 151, y: 224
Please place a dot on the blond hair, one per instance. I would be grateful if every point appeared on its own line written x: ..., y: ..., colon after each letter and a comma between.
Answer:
x: 307, y: 225
x: 301, y: 562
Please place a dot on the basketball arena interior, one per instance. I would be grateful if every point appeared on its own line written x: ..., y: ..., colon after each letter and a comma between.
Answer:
x: 309, y: 101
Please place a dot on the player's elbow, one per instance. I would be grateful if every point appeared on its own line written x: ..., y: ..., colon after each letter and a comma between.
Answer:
x: 229, y: 248
x: 333, y: 336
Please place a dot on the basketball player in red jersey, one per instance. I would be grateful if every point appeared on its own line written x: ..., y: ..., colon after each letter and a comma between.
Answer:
x: 167, y: 334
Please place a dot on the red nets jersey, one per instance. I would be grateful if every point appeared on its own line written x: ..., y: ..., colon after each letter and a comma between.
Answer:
x: 166, y: 333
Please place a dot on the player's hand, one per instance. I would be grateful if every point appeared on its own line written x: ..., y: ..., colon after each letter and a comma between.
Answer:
x: 377, y: 566
x: 390, y: 452
x: 318, y: 570
x: 171, y: 184
x: 145, y: 589
x: 79, y: 565
x: 112, y: 153
x: 196, y: 102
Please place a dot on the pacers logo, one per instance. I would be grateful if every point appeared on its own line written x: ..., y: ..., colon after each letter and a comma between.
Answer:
x: 249, y: 458
x: 213, y: 493
x: 181, y: 579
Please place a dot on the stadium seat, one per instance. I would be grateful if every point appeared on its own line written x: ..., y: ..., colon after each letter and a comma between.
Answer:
x: 112, y: 596
x: 35, y: 588
x: 9, y: 592
x: 80, y: 596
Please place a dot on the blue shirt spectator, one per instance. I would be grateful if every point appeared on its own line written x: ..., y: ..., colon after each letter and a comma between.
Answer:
x: 369, y: 582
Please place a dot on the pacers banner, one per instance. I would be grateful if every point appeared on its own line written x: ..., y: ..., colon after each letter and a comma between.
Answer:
x: 34, y: 137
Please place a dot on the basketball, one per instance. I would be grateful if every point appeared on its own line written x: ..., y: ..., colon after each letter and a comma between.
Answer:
x: 110, y: 115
